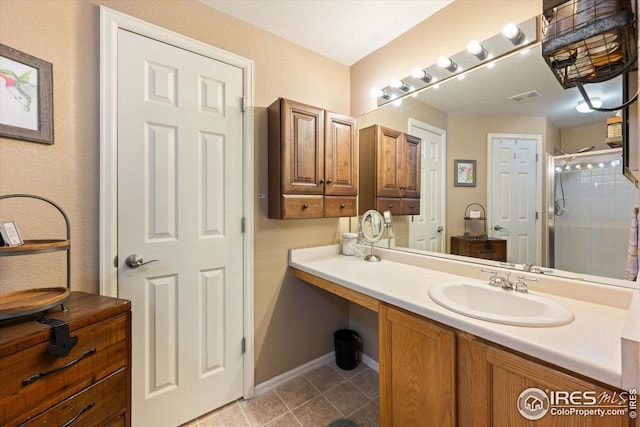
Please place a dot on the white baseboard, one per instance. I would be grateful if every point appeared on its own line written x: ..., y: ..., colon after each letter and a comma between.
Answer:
x: 307, y: 367
x: 366, y: 360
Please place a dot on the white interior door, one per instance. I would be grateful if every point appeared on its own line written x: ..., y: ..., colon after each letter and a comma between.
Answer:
x: 180, y: 188
x: 514, y: 197
x: 427, y: 230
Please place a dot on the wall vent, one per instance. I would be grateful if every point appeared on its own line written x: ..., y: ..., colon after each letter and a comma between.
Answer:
x: 526, y: 96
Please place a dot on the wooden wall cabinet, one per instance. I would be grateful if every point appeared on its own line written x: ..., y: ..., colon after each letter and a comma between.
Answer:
x: 313, y: 167
x: 417, y: 371
x: 91, y: 386
x: 389, y: 171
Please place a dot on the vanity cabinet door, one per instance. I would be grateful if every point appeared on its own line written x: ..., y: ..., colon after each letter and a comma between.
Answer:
x: 417, y: 371
x: 491, y: 381
x: 389, y: 162
x: 410, y: 185
x: 302, y: 148
x: 341, y: 156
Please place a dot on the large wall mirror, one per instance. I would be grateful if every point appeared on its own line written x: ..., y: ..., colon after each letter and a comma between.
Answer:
x: 580, y: 206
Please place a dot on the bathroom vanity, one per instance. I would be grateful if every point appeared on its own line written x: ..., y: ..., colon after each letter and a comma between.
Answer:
x: 439, y: 367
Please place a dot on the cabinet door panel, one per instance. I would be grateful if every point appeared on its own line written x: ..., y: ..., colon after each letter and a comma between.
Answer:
x: 341, y: 160
x: 411, y: 163
x: 388, y: 162
x: 490, y: 381
x: 303, y: 149
x: 417, y: 371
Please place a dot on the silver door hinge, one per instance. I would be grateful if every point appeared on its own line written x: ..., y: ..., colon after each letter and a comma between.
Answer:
x: 536, y: 215
x: 244, y: 345
x: 242, y: 104
x: 242, y: 225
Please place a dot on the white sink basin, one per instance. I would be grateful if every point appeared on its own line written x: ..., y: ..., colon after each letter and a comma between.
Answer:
x: 482, y: 301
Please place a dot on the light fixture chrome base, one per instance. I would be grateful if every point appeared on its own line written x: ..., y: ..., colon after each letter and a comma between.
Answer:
x: 372, y: 258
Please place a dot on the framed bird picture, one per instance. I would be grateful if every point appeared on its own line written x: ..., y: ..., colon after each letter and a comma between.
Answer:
x: 26, y: 96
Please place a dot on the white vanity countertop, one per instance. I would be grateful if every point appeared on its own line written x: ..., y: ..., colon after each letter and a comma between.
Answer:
x: 590, y: 345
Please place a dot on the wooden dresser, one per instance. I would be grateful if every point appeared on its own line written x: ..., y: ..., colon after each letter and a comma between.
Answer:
x: 487, y: 248
x: 90, y: 386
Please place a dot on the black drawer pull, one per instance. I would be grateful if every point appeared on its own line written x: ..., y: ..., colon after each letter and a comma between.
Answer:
x: 82, y: 411
x: 59, y: 368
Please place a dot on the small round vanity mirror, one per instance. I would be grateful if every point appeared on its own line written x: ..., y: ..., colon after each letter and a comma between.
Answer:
x: 372, y: 230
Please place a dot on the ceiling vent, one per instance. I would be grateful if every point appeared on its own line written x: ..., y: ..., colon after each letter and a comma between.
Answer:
x: 526, y: 96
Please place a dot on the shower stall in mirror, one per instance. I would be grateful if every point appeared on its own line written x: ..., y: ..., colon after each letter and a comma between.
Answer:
x: 590, y: 209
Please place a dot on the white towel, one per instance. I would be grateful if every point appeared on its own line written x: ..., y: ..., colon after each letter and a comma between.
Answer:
x: 631, y: 272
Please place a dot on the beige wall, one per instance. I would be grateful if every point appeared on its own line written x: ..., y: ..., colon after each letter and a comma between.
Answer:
x: 293, y: 321
x: 575, y: 138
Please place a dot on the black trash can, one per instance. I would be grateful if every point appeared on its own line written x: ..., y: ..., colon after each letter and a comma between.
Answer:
x: 347, y: 343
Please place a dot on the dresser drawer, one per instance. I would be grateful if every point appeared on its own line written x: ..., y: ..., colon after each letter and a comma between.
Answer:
x: 294, y: 206
x: 337, y: 206
x: 411, y: 206
x: 33, y: 380
x: 393, y: 205
x: 103, y: 402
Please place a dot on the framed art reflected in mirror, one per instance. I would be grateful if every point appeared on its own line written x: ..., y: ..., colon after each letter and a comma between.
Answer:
x: 464, y: 173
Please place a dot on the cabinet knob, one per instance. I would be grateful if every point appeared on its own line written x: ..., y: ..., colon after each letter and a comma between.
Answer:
x: 305, y: 206
x: 321, y: 180
x: 342, y: 206
x: 390, y: 206
x: 329, y: 182
x: 411, y: 206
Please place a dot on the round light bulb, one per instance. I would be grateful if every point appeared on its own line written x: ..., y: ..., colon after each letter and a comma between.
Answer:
x: 376, y: 92
x: 418, y: 73
x: 510, y: 30
x: 444, y: 62
x: 397, y: 84
x: 474, y: 47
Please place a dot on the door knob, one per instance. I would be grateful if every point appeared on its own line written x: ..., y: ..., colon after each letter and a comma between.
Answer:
x: 135, y: 261
x: 499, y: 227
x: 440, y: 229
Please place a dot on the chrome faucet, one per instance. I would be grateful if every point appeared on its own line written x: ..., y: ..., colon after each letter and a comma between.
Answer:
x: 495, y: 280
x: 521, y: 285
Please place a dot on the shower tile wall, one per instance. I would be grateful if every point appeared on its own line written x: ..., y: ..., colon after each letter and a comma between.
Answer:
x: 592, y: 235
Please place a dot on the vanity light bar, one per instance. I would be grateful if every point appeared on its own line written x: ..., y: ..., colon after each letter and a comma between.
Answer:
x: 514, y: 38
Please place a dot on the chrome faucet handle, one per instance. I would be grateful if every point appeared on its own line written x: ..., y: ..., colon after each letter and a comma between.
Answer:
x: 506, y: 282
x: 521, y: 285
x: 494, y: 280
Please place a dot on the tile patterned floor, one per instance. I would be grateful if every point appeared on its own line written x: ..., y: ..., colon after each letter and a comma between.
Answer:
x: 313, y: 399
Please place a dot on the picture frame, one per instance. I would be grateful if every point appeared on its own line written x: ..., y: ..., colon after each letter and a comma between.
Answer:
x: 464, y: 173
x: 10, y: 234
x: 26, y: 96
